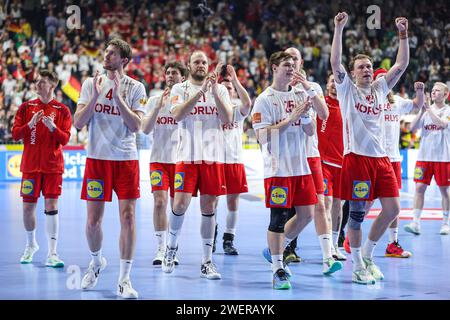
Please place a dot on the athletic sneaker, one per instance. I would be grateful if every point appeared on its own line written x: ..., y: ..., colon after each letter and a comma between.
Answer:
x: 289, y: 255
x: 281, y: 280
x: 157, y: 261
x: 126, y: 291
x: 267, y: 255
x: 90, y: 278
x: 413, y: 227
x: 209, y: 271
x: 168, y: 263
x: 347, y: 245
x: 27, y: 256
x: 338, y: 255
x: 445, y: 230
x: 228, y: 246
x: 395, y: 250
x: 330, y: 266
x: 373, y: 269
x: 54, y: 261
x: 363, y: 276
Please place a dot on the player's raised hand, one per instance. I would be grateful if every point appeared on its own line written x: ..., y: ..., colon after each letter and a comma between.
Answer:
x: 165, y: 95
x: 98, y: 83
x: 300, y: 78
x: 341, y: 19
x: 35, y: 119
x: 402, y: 24
x: 419, y: 86
x: 232, y: 72
x: 49, y: 123
x: 117, y: 86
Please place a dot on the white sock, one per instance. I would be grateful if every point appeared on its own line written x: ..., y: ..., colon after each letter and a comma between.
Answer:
x: 393, y: 235
x: 207, y: 250
x: 357, y: 258
x: 161, y: 236
x: 335, y: 238
x: 97, y: 257
x: 125, y: 268
x: 445, y: 217
x: 417, y: 214
x: 175, y: 224
x: 325, y: 245
x: 52, y: 228
x: 31, y: 238
x: 231, y: 222
x: 369, y: 248
x: 277, y: 262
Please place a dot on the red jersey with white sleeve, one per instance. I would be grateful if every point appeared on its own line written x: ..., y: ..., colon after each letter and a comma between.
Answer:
x: 42, y: 148
x: 284, y: 154
x: 233, y: 134
x: 363, y: 115
x: 165, y: 133
x: 109, y: 137
x: 200, y: 134
x: 392, y: 113
x: 329, y: 132
x: 435, y: 140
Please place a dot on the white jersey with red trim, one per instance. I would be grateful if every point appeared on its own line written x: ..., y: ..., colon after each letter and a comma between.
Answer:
x: 165, y: 133
x: 284, y: 153
x: 392, y: 113
x: 109, y: 137
x: 363, y: 117
x: 435, y: 139
x: 200, y: 134
x: 233, y: 134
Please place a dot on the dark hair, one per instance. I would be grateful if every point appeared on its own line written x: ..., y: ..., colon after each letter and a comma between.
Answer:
x: 124, y: 48
x: 278, y: 57
x: 52, y: 76
x: 358, y: 57
x: 177, y: 65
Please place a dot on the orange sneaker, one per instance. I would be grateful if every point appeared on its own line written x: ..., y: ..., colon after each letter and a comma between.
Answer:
x: 347, y: 245
x: 394, y: 250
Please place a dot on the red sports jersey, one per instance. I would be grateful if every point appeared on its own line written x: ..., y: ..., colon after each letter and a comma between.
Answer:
x: 331, y: 144
x: 42, y: 148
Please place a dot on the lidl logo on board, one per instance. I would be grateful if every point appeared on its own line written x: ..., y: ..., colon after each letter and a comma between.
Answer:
x: 278, y: 196
x: 13, y: 165
x: 95, y: 189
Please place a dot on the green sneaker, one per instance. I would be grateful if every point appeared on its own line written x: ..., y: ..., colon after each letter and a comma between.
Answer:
x: 27, y: 256
x: 281, y: 280
x: 363, y: 276
x: 331, y: 266
x: 373, y: 269
x: 54, y: 261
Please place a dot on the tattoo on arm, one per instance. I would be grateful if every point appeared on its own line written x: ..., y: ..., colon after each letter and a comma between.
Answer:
x: 341, y: 75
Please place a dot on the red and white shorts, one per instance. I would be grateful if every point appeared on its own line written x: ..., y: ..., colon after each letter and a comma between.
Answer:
x: 332, y: 180
x: 367, y: 178
x: 101, y: 177
x: 397, y: 166
x: 315, y: 166
x: 162, y: 177
x: 209, y: 179
x: 289, y: 192
x: 33, y: 183
x: 236, y: 180
x: 425, y: 170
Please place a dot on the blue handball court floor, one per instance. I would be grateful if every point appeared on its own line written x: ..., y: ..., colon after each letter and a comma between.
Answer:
x: 247, y: 276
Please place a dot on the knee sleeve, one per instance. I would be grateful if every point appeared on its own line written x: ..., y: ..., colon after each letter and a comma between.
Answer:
x: 51, y: 213
x: 278, y: 218
x: 291, y: 213
x: 357, y: 214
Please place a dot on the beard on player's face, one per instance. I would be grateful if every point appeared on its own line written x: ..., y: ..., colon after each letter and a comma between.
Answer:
x: 198, y: 75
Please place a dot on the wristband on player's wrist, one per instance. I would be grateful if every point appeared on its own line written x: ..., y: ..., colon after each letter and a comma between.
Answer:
x: 306, y: 120
x: 311, y: 92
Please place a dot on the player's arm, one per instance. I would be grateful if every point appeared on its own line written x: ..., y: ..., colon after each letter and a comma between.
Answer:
x: 131, y: 118
x: 85, y: 111
x: 336, y: 47
x: 222, y: 100
x: 402, y: 61
x: 417, y: 121
x: 316, y: 97
x: 182, y: 110
x: 62, y: 134
x: 246, y: 102
x: 420, y: 95
x: 148, y: 123
x: 442, y: 122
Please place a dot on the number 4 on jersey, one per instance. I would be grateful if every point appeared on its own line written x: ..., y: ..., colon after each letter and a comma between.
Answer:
x: 109, y: 94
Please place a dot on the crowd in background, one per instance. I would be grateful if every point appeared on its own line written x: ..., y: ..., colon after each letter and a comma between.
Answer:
x: 34, y: 35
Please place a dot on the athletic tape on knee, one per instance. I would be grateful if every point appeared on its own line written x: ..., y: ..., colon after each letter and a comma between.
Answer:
x: 357, y: 214
x: 278, y: 219
x: 208, y: 214
x: 51, y: 213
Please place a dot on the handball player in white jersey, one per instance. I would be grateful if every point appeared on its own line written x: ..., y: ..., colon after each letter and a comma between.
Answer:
x: 164, y: 128
x: 367, y: 173
x: 201, y: 106
x: 111, y: 105
x: 434, y: 155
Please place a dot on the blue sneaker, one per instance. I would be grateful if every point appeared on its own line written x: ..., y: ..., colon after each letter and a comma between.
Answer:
x: 330, y: 266
x: 280, y: 280
x: 267, y: 255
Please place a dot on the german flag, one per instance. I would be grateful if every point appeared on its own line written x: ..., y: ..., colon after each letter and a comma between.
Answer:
x: 72, y: 88
x: 92, y: 52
